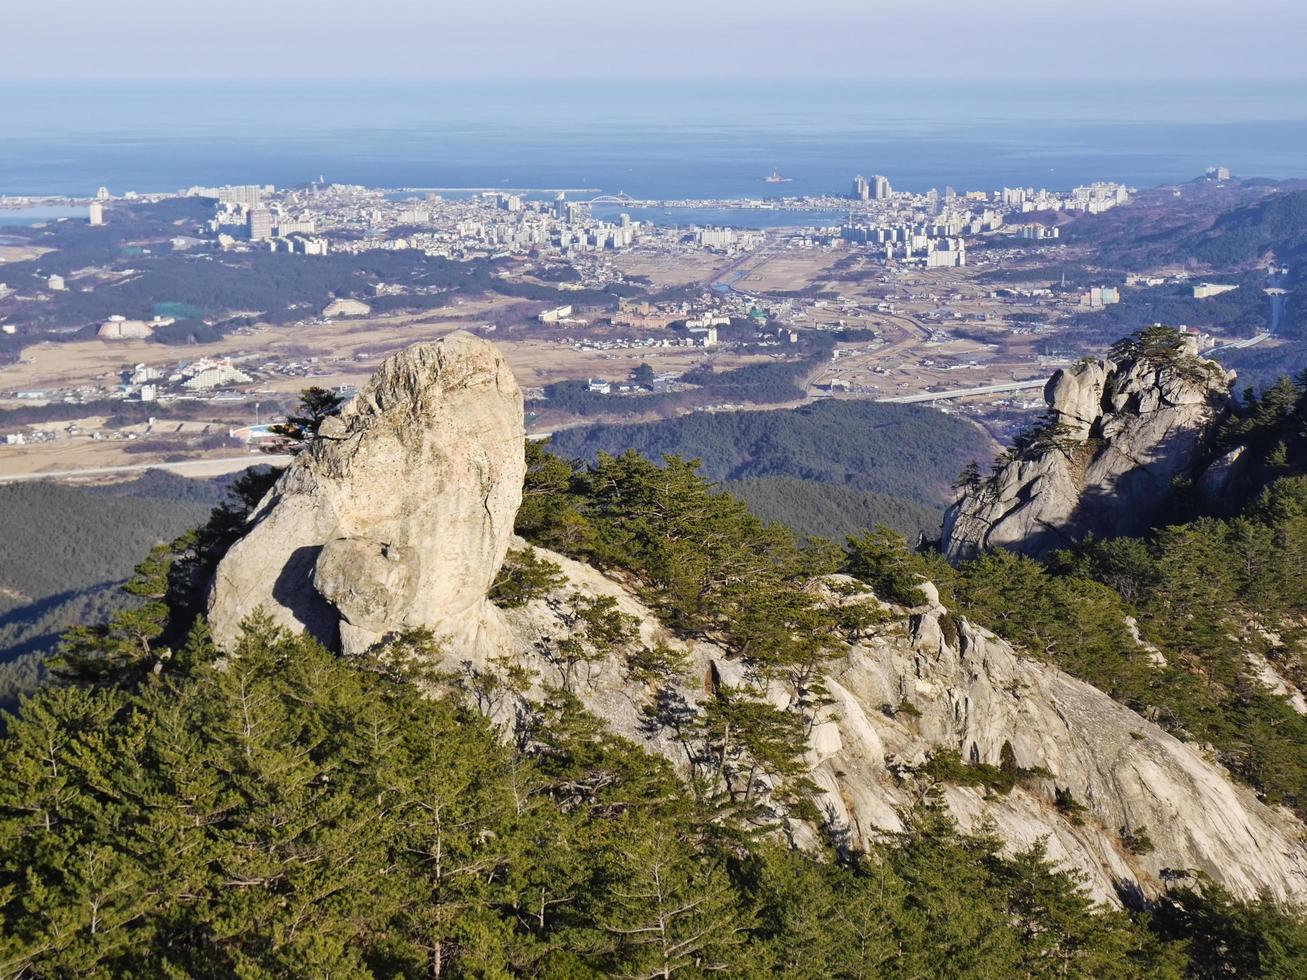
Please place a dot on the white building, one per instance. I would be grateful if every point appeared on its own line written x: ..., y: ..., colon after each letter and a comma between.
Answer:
x: 556, y: 314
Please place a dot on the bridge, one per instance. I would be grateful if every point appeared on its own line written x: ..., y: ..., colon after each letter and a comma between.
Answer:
x: 618, y: 198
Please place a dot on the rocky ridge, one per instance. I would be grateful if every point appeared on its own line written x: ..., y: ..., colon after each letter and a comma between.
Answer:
x: 1119, y: 433
x: 932, y: 682
x: 400, y: 514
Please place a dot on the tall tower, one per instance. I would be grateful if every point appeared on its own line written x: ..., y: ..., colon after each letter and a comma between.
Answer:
x: 260, y: 224
x: 96, y: 213
x: 861, y: 189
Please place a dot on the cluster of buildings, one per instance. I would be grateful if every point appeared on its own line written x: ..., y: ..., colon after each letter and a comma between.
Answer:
x: 928, y: 229
x: 207, y: 374
x: 935, y: 245
x: 243, y: 214
x: 1034, y: 230
x: 1100, y: 296
x: 1091, y: 199
x: 361, y: 219
x: 876, y: 189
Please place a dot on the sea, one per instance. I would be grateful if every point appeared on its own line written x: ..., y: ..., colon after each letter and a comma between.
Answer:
x: 653, y: 140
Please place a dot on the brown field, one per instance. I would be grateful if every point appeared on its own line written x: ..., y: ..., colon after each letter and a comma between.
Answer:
x: 786, y: 271
x: 22, y: 253
x: 346, y: 351
x: 903, y: 360
x: 671, y: 270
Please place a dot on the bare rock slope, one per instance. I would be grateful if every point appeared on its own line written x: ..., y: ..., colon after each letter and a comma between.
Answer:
x: 933, y: 682
x: 1122, y: 432
x: 401, y: 514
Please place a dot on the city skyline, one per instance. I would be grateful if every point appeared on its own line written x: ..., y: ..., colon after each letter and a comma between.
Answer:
x: 398, y: 39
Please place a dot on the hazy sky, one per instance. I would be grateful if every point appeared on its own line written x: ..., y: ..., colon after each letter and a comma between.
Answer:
x: 966, y: 39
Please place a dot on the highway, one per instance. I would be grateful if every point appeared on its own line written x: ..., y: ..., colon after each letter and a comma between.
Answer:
x: 934, y: 396
x: 192, y: 467
x: 1238, y: 344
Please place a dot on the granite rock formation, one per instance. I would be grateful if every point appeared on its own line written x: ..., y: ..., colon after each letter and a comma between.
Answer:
x: 1119, y: 434
x: 400, y: 514
x: 397, y: 516
x: 970, y: 694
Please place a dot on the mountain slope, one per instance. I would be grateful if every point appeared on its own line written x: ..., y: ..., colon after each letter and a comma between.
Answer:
x: 65, y: 550
x: 791, y: 696
x: 904, y: 451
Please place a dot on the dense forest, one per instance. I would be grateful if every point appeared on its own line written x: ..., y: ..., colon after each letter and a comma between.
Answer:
x: 291, y: 814
x: 286, y: 812
x: 65, y: 551
x: 903, y: 451
x: 825, y: 510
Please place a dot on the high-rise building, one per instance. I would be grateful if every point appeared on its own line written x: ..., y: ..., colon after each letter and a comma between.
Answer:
x: 96, y: 213
x: 260, y: 224
x: 102, y: 194
x: 248, y: 195
x: 880, y: 188
x: 861, y: 189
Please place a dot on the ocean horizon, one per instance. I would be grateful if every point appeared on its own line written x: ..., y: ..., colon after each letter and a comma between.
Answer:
x: 652, y: 140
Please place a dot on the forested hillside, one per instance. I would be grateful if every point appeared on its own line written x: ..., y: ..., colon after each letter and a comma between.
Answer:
x: 322, y: 817
x: 65, y: 550
x: 903, y: 451
x: 827, y: 510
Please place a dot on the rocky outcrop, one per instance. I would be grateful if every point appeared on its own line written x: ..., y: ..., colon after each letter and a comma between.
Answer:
x: 398, y: 516
x: 1118, y: 436
x: 933, y: 682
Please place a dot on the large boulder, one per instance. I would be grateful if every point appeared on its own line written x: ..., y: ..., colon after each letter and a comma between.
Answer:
x: 397, y: 516
x: 1076, y: 396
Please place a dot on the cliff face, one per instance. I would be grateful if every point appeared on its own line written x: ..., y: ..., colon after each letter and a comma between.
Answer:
x: 1122, y: 433
x: 400, y: 516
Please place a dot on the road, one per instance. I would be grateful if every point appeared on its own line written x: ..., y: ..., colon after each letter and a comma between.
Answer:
x: 1238, y: 344
x: 934, y: 396
x: 192, y: 467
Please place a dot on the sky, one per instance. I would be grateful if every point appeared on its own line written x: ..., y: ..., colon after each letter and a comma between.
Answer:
x: 906, y: 39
